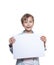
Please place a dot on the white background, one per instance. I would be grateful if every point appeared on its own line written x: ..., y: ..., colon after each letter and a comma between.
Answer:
x: 11, y: 12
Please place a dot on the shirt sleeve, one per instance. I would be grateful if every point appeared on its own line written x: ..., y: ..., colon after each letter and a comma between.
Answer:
x: 45, y: 48
x: 11, y: 48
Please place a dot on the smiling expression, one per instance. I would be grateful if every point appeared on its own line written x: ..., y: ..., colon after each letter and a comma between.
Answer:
x: 28, y: 24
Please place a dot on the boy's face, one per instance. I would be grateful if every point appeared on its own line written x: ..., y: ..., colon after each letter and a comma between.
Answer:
x: 28, y: 24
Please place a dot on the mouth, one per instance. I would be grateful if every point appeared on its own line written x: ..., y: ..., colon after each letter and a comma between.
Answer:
x: 28, y: 27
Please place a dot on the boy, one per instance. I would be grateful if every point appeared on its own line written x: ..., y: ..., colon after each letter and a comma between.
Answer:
x: 27, y: 22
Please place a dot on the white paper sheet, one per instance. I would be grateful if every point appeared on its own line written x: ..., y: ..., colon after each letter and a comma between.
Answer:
x: 28, y: 46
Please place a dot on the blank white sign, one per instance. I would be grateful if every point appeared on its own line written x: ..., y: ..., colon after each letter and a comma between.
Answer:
x: 28, y: 46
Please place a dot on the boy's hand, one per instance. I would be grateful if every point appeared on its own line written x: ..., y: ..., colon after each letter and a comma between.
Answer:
x: 43, y: 38
x: 12, y: 40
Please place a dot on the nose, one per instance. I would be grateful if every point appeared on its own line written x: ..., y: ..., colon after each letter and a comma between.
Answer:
x: 28, y: 23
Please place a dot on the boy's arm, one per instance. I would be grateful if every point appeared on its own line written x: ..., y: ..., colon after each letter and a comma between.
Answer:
x: 43, y: 38
x: 11, y: 41
x: 11, y: 47
x: 45, y: 46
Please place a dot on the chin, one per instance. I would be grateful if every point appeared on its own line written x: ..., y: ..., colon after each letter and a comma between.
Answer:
x: 29, y: 29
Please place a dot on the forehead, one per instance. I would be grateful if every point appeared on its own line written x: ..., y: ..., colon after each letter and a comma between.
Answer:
x: 29, y: 18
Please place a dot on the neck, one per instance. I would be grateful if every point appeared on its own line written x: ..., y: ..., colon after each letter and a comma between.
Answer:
x: 26, y: 31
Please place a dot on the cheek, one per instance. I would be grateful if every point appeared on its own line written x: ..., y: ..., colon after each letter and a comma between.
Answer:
x: 24, y: 24
x: 32, y: 24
